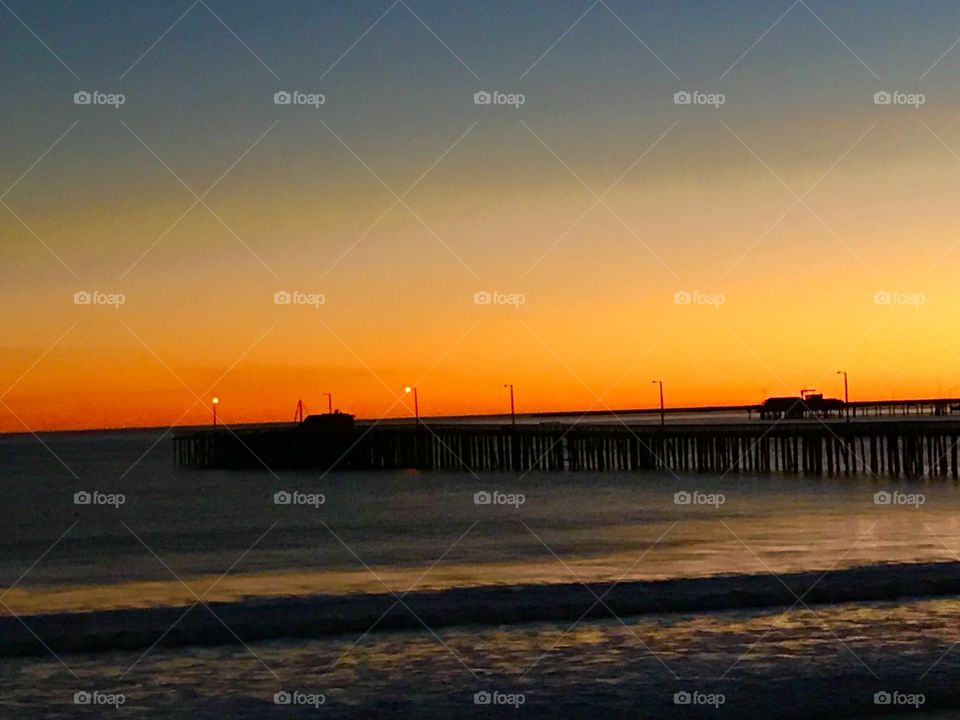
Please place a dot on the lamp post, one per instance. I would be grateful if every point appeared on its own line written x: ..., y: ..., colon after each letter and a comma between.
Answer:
x: 416, y: 401
x: 846, y: 394
x: 660, y: 383
x: 513, y: 414
x: 329, y: 397
x: 216, y: 401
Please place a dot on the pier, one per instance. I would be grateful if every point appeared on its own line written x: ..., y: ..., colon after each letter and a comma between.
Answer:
x: 907, y: 446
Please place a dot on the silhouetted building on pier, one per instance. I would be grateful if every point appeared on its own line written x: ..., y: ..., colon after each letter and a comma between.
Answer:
x: 335, y: 422
x: 797, y: 408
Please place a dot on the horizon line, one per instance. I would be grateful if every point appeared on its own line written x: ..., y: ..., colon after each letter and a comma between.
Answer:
x: 533, y: 414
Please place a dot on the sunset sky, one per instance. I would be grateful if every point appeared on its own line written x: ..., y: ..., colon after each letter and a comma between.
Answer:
x: 597, y: 200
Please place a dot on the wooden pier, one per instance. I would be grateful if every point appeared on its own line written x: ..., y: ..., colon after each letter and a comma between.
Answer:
x: 909, y: 447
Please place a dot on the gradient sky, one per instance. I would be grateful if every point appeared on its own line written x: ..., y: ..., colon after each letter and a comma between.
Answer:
x: 700, y: 199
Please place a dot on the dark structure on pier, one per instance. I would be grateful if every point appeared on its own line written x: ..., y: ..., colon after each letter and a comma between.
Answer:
x: 897, y: 446
x: 795, y: 408
x: 317, y: 442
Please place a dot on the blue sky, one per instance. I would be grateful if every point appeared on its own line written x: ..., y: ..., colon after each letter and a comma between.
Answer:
x: 401, y: 197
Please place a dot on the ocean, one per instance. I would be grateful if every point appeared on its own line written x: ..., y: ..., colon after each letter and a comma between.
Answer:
x: 132, y: 586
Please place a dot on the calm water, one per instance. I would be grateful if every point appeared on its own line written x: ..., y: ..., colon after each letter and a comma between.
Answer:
x: 410, y: 530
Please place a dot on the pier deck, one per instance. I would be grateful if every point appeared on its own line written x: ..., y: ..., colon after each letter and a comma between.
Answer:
x: 907, y: 446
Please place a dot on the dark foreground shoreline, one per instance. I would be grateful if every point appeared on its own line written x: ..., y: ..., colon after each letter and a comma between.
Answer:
x: 318, y: 616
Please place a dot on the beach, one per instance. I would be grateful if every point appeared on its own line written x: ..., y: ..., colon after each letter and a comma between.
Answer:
x: 199, y: 595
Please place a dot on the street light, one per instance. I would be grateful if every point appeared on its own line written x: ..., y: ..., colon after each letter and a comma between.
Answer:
x: 416, y: 401
x: 329, y: 397
x: 660, y: 383
x: 513, y: 415
x: 846, y: 394
x: 216, y: 401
